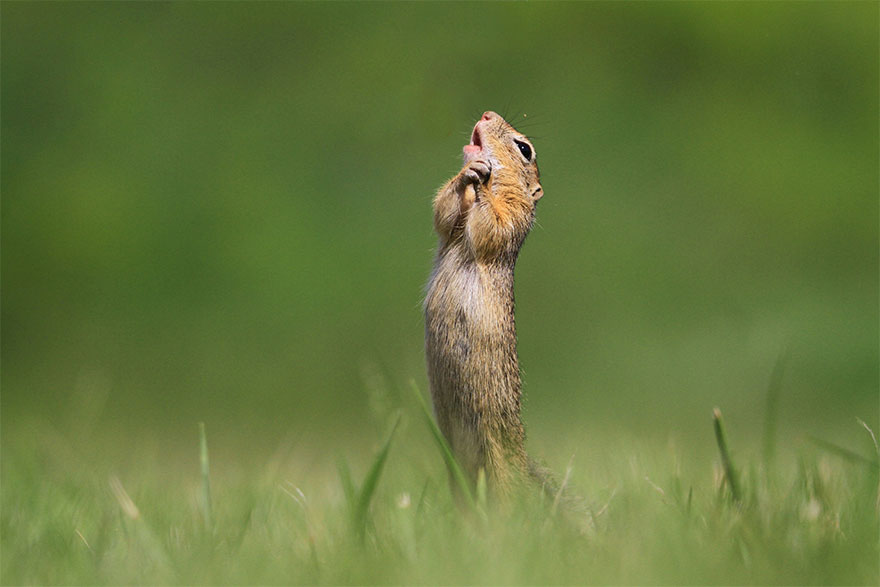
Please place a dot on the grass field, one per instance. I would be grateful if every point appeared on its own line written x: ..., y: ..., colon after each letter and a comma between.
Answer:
x: 654, y: 513
x: 220, y: 212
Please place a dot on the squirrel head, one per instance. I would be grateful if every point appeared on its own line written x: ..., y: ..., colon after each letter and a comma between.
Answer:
x: 510, y: 154
x: 512, y: 189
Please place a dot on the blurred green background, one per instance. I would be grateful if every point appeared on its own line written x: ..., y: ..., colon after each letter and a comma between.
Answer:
x: 222, y: 212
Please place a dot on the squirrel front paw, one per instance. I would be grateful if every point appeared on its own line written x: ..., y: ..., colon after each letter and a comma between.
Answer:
x: 477, y: 172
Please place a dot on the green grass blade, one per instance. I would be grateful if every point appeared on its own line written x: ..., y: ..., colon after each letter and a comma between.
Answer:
x: 561, y: 491
x: 482, y: 490
x: 771, y: 417
x: 207, y: 506
x: 455, y: 469
x: 482, y: 495
x: 843, y: 453
x: 140, y: 536
x: 873, y: 437
x: 726, y: 461
x: 371, y: 481
x: 420, y: 508
x: 877, y: 452
x: 347, y: 484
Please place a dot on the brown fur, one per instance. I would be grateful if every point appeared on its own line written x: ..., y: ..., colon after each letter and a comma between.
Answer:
x: 482, y: 216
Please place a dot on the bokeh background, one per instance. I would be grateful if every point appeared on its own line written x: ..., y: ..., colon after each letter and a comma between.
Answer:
x: 221, y: 212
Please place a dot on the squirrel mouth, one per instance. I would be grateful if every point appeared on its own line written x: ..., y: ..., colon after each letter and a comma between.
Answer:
x: 475, y: 137
x: 472, y: 149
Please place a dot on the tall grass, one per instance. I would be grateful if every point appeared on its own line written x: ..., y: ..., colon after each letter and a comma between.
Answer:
x: 290, y: 522
x: 809, y: 518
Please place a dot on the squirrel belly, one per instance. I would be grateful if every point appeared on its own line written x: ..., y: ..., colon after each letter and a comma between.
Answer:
x: 481, y: 216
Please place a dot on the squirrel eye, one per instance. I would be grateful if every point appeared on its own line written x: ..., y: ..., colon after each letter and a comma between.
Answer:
x: 524, y: 149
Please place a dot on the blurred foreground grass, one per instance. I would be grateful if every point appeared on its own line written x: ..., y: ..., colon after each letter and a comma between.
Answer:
x: 656, y: 513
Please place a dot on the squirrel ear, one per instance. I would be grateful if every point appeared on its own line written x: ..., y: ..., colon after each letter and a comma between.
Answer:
x: 538, y: 193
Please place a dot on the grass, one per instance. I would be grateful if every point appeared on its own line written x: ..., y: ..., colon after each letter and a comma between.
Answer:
x: 655, y: 515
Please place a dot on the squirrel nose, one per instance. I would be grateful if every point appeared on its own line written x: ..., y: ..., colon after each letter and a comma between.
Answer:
x: 488, y: 115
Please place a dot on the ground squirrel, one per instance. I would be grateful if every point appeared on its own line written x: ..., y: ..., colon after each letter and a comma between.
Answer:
x: 482, y: 216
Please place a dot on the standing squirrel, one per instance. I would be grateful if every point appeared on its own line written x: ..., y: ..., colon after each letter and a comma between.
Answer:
x: 482, y: 216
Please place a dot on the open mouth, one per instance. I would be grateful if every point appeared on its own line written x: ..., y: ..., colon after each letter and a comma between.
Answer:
x: 475, y: 137
x: 473, y: 149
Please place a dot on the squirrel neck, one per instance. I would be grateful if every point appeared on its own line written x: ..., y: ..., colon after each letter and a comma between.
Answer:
x: 482, y: 290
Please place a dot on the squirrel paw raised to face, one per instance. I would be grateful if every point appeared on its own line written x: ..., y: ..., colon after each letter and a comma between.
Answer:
x: 477, y: 172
